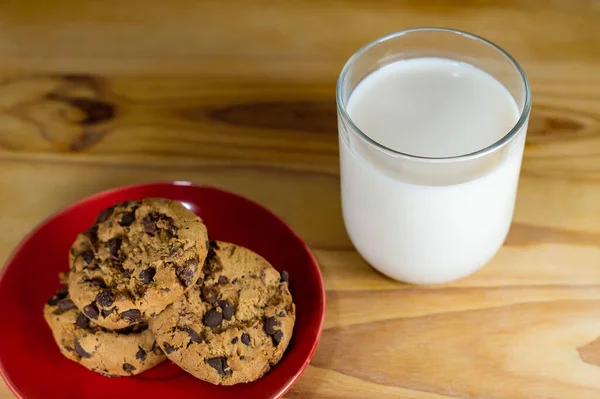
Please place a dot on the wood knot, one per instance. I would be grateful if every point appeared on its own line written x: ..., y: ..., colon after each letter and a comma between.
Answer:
x: 303, y: 116
x: 84, y: 93
x: 94, y: 110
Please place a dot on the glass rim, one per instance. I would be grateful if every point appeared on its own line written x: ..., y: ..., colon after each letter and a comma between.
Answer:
x: 513, y: 132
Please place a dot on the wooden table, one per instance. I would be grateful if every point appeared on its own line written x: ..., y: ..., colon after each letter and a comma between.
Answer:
x: 241, y: 95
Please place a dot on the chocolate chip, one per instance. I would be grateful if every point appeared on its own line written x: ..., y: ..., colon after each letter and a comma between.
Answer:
x: 105, y: 214
x: 168, y: 348
x: 64, y: 305
x: 97, y: 282
x: 82, y: 321
x: 242, y: 357
x: 226, y: 368
x: 281, y: 314
x: 223, y: 280
x: 206, y: 268
x: 140, y: 289
x: 234, y: 341
x: 60, y: 294
x: 105, y: 299
x: 108, y: 312
x: 147, y: 275
x: 168, y: 224
x: 270, y: 324
x: 154, y: 221
x: 219, y: 364
x: 87, y: 256
x: 114, y: 244
x: 116, y: 263
x: 92, y: 234
x: 211, y: 253
x: 127, y: 219
x: 209, y: 295
x: 132, y: 315
x: 194, y: 337
x: 128, y: 368
x: 134, y: 329
x: 216, y: 363
x: 212, y: 318
x: 285, y: 276
x: 227, y: 308
x: 141, y: 354
x: 187, y: 272
x: 80, y: 351
x: 277, y: 337
x: 149, y: 224
x: 91, y: 311
x: 246, y: 339
x: 174, y: 251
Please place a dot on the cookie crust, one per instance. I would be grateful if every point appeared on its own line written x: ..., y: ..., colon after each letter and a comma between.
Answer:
x: 108, y: 352
x: 137, y: 258
x: 235, y: 324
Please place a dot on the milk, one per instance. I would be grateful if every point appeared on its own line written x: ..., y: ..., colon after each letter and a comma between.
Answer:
x: 414, y: 227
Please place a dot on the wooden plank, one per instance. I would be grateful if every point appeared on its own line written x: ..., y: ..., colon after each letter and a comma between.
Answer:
x: 241, y: 95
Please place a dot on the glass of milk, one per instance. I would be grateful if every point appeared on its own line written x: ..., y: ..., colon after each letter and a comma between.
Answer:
x: 432, y: 125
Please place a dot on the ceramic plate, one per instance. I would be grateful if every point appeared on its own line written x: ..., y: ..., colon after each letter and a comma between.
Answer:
x: 30, y: 361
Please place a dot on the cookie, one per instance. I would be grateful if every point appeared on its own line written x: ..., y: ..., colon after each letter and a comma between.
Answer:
x: 235, y: 324
x: 137, y: 258
x: 109, y: 352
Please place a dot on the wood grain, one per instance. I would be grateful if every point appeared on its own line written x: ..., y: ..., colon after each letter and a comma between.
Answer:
x: 240, y: 95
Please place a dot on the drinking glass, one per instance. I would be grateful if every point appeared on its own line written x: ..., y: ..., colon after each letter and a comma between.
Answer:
x: 420, y: 219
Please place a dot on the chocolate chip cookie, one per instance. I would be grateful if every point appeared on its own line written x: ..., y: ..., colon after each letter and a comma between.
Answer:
x: 109, y: 352
x: 235, y: 324
x: 137, y: 258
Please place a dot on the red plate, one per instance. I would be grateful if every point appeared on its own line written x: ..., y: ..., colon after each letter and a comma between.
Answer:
x: 30, y: 361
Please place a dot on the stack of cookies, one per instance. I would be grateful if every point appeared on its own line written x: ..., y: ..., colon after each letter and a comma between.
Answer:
x: 145, y: 284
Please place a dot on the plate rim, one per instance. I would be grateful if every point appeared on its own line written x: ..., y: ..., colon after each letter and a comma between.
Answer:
x: 181, y: 183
